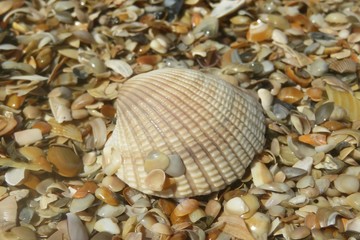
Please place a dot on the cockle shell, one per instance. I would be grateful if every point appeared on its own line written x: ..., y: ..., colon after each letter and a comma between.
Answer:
x: 215, y: 128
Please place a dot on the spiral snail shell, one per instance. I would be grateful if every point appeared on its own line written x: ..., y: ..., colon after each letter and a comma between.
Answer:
x: 182, y: 133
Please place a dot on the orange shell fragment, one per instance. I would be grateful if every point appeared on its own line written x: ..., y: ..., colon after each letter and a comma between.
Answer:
x: 314, y: 139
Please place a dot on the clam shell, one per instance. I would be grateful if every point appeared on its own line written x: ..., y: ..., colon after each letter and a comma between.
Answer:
x: 343, y: 66
x: 215, y: 128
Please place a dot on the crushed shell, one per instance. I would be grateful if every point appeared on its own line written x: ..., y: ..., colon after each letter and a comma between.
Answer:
x: 80, y: 76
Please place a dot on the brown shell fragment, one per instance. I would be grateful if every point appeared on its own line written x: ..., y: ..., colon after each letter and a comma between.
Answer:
x: 343, y: 66
x: 36, y: 155
x: 215, y: 128
x: 185, y: 207
x: 107, y: 196
x: 65, y: 160
x: 7, y: 124
x: 315, y: 94
x: 314, y: 139
x: 15, y: 101
x: 298, y: 75
x: 66, y: 130
x: 258, y: 32
x: 290, y: 95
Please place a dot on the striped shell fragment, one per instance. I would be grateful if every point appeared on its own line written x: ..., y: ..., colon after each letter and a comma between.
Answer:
x: 182, y: 133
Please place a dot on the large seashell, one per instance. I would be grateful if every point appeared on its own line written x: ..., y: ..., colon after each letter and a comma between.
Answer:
x: 216, y: 130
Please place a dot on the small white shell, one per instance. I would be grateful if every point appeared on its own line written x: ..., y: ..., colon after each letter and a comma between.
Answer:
x: 99, y: 132
x: 28, y: 136
x: 120, y: 67
x: 108, y: 211
x: 279, y: 36
x: 226, y: 7
x: 236, y: 206
x: 15, y: 176
x: 81, y: 204
x: 60, y: 108
x: 107, y: 225
x: 214, y: 127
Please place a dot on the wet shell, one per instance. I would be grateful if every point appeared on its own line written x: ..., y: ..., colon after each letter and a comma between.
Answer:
x: 215, y: 129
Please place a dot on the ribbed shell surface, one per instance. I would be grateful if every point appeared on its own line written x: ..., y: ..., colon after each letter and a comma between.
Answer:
x: 214, y: 127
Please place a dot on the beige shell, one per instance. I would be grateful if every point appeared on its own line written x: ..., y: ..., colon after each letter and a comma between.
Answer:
x: 215, y: 128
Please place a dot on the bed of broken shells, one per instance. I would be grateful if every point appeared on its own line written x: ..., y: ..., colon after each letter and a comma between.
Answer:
x: 62, y: 63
